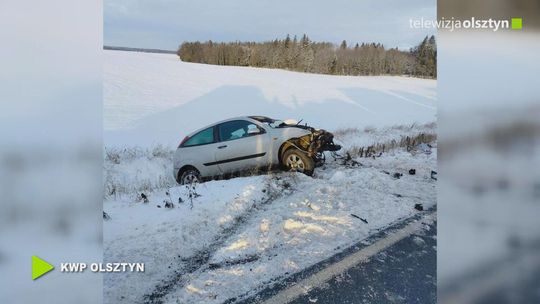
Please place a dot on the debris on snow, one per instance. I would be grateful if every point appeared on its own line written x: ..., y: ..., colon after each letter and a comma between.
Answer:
x: 106, y: 216
x: 356, y: 216
x: 419, y: 207
x: 412, y: 171
x: 248, y: 259
x: 347, y: 160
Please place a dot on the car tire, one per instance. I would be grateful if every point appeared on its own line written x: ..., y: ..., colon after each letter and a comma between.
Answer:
x: 296, y: 160
x: 190, y: 176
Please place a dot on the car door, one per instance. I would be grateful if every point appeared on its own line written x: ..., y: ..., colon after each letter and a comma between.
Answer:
x: 199, y: 151
x: 243, y: 145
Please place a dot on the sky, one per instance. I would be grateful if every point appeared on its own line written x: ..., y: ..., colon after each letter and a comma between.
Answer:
x: 165, y: 24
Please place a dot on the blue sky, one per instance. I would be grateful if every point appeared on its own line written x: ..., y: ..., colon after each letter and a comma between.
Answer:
x: 165, y: 24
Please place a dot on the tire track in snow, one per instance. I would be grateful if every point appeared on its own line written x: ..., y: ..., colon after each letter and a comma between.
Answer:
x: 200, y: 260
x: 410, y: 100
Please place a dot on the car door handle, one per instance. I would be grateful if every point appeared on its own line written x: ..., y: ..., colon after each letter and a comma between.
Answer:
x: 222, y: 147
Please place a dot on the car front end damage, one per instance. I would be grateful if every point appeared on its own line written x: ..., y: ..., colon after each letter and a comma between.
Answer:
x: 313, y: 144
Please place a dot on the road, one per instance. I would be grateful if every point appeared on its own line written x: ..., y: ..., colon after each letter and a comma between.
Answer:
x: 398, y: 266
x: 403, y: 273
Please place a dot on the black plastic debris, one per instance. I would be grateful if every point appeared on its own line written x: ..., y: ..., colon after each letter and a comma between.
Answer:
x: 397, y: 175
x: 412, y: 171
x: 168, y: 204
x: 433, y: 175
x: 106, y: 216
x: 144, y: 198
x: 419, y: 207
x: 356, y: 216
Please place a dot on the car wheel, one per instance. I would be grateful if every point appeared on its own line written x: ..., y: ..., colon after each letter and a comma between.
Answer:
x: 296, y: 160
x: 190, y: 176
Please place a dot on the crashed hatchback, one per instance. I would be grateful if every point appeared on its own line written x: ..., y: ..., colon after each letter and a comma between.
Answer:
x: 250, y: 143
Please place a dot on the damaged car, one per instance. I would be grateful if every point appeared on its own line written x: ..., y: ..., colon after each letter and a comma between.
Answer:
x: 250, y: 143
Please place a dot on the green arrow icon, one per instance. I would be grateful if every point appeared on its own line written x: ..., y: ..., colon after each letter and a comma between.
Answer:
x: 40, y: 267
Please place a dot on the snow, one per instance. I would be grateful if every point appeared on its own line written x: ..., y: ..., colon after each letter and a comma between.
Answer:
x: 156, y: 98
x: 242, y: 234
x: 288, y: 222
x: 350, y: 138
x: 484, y: 215
x: 157, y: 236
x: 487, y: 188
x: 50, y: 204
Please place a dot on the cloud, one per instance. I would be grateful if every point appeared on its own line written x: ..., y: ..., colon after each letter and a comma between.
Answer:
x: 166, y: 23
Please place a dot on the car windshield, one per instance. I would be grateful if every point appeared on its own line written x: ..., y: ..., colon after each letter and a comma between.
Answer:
x: 269, y: 121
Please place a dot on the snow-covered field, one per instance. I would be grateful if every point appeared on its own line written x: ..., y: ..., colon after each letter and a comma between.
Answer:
x: 156, y: 98
x: 234, y: 237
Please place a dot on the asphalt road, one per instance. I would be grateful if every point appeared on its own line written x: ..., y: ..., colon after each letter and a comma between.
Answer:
x: 398, y: 265
x: 403, y: 273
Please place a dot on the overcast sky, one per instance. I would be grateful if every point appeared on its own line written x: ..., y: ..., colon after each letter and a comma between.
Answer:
x: 164, y: 24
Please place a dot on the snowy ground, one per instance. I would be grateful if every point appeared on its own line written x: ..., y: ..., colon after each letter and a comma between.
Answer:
x: 157, y: 99
x: 243, y: 234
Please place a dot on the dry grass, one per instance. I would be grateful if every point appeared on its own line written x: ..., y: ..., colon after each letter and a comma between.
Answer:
x: 405, y: 142
x: 132, y: 170
x: 416, y: 134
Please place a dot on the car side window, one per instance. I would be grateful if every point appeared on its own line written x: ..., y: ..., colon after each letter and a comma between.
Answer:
x: 236, y: 129
x: 206, y: 136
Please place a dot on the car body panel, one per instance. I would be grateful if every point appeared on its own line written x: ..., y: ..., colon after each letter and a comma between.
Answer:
x: 243, y: 153
x: 238, y: 154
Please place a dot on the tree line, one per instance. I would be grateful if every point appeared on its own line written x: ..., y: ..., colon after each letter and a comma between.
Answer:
x: 308, y: 56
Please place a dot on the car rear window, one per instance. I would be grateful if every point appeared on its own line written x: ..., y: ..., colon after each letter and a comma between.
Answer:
x: 206, y: 136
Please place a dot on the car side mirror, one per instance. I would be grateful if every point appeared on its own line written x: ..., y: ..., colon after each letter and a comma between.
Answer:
x: 252, y: 130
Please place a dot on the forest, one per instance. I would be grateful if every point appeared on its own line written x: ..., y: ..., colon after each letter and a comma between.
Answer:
x: 305, y: 55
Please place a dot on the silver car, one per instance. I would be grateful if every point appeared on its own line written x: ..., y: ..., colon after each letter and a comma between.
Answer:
x: 247, y: 144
